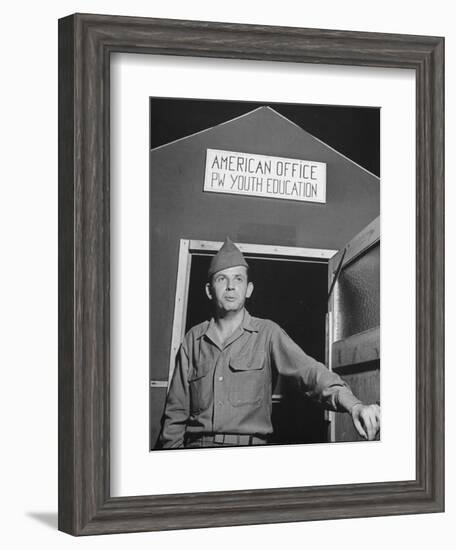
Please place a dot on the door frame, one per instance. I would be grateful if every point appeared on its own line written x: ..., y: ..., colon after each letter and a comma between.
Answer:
x: 189, y: 247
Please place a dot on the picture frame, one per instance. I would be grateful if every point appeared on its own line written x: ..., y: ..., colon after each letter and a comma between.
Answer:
x: 85, y: 45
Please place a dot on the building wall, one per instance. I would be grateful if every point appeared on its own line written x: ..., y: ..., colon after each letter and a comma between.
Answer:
x: 180, y: 209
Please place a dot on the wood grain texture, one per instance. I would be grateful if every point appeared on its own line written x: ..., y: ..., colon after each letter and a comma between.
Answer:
x: 359, y: 348
x: 66, y: 495
x: 85, y: 44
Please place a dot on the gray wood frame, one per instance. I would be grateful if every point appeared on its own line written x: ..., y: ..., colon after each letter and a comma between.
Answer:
x: 85, y: 44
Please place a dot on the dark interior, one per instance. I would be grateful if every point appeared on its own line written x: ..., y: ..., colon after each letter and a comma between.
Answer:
x: 293, y: 293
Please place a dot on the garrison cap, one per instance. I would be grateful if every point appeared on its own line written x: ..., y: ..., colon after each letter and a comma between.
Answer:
x: 229, y: 255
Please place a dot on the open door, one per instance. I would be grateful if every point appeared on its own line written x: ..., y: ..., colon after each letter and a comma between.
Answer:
x: 353, y: 336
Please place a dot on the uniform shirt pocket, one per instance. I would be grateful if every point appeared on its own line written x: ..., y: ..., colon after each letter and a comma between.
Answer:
x: 200, y: 387
x: 247, y: 380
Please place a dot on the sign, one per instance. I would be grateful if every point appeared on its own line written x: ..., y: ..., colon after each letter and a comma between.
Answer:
x: 265, y: 176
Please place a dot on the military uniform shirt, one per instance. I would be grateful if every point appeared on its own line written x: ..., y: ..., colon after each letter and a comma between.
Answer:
x: 227, y: 388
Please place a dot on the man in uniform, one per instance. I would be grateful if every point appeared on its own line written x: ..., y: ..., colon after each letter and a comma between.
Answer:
x: 221, y: 389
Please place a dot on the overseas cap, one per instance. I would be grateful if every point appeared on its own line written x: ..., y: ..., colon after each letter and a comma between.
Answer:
x: 229, y: 255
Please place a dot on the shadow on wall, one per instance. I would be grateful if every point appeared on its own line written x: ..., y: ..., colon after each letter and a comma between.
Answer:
x: 49, y: 519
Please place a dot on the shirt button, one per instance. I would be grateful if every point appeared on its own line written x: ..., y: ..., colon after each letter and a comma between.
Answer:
x: 219, y: 403
x: 220, y: 378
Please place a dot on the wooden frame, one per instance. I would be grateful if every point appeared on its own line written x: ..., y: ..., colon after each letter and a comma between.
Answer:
x: 85, y: 504
x: 189, y: 247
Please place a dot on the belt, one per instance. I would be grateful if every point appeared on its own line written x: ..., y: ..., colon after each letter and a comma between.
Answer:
x: 230, y: 439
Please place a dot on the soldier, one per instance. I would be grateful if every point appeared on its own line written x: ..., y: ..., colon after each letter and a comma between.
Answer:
x: 221, y: 389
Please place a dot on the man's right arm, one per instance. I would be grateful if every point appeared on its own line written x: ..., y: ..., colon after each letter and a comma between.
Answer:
x: 177, y: 405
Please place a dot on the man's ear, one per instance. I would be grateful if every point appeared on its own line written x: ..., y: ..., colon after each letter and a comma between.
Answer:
x: 249, y: 289
x: 208, y: 291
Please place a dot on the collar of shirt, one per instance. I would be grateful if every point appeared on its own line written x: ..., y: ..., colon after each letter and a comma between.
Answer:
x: 248, y: 324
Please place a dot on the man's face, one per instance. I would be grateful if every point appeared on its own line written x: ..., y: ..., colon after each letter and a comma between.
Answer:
x: 229, y: 289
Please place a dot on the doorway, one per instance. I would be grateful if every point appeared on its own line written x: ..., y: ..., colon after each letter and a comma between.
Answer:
x: 292, y: 291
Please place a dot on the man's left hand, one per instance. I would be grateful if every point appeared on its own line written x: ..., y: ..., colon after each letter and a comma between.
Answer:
x: 366, y: 419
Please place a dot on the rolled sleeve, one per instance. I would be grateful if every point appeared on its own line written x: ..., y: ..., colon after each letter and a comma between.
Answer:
x: 312, y: 378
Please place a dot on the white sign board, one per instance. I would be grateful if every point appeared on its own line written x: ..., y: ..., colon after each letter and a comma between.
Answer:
x: 265, y: 176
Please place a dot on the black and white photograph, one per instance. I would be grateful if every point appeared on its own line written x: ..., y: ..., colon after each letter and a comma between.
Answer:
x: 223, y: 289
x: 265, y: 287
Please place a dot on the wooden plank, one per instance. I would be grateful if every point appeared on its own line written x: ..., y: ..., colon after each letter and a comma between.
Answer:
x: 366, y: 238
x: 358, y: 348
x: 158, y: 383
x: 329, y: 415
x: 264, y: 249
x: 180, y: 303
